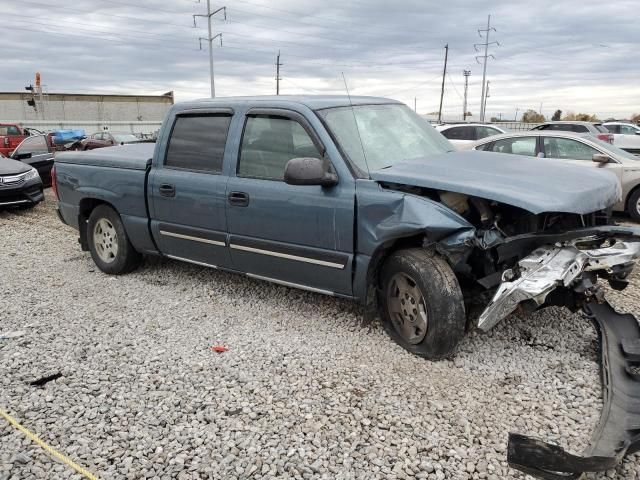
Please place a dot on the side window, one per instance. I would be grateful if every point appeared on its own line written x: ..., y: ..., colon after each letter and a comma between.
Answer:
x: 614, y: 128
x: 483, y: 132
x: 33, y: 145
x: 197, y: 142
x: 516, y: 145
x: 487, y: 147
x: 268, y: 143
x: 13, y: 130
x: 568, y: 149
x: 459, y: 133
x: 627, y: 130
x: 579, y: 128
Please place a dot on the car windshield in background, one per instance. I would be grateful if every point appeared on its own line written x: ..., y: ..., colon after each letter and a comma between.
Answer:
x: 125, y: 137
x: 613, y: 149
x: 385, y: 135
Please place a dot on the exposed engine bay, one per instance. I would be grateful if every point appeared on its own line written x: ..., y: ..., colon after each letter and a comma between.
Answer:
x: 516, y: 259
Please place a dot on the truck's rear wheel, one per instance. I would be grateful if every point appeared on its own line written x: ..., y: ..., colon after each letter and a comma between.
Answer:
x: 110, y: 247
x: 421, y: 303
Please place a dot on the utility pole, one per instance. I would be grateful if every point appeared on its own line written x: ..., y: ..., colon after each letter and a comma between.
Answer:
x: 210, y: 39
x: 466, y: 74
x: 515, y: 119
x: 444, y: 73
x: 415, y: 104
x: 484, y: 105
x: 486, y: 55
x: 278, y: 65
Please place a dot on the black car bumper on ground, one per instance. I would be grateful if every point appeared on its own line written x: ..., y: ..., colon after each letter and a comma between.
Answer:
x: 23, y: 194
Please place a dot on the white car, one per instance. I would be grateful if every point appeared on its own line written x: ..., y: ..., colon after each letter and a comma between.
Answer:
x: 460, y: 134
x: 625, y: 136
x: 580, y: 149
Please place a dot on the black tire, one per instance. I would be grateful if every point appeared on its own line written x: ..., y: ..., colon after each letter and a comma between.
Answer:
x: 441, y: 299
x: 633, y: 205
x: 104, y: 231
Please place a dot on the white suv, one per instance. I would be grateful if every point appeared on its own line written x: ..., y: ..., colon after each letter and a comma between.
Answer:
x: 460, y: 134
x: 625, y: 136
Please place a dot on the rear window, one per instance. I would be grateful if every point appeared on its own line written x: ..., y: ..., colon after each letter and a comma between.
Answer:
x: 459, y: 133
x: 601, y: 128
x: 197, y: 142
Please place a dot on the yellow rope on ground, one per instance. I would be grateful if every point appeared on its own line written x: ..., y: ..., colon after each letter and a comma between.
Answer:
x: 50, y: 450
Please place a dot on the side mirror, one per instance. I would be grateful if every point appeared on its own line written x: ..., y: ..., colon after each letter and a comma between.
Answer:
x: 309, y: 171
x: 22, y: 156
x: 601, y: 158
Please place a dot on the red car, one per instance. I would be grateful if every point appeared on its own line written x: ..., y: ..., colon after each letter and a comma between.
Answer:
x: 11, y: 135
x: 108, y: 139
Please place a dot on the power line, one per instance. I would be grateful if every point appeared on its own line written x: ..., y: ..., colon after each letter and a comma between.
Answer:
x: 210, y: 38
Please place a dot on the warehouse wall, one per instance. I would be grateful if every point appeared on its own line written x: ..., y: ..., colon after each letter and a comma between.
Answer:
x: 85, y: 108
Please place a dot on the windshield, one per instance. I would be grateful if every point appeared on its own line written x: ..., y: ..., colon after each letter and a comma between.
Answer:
x: 613, y: 149
x: 385, y: 135
x: 125, y: 137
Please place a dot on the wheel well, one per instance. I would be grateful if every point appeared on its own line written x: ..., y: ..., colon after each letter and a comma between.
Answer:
x: 87, y: 205
x: 626, y: 202
x: 382, y: 253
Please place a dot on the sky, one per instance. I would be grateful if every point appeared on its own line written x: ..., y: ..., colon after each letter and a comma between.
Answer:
x: 579, y: 56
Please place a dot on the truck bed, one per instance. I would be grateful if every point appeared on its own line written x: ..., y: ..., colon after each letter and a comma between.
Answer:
x: 136, y: 156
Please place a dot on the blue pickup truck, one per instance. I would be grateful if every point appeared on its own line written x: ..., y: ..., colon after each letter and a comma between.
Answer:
x: 357, y: 198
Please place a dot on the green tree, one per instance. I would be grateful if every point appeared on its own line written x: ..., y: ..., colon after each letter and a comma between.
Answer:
x: 531, y: 116
x: 557, y: 115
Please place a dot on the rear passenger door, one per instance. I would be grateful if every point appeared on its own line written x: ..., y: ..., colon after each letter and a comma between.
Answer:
x: 187, y: 190
x: 297, y: 235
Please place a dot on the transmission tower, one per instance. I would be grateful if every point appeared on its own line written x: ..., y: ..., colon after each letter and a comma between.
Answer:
x: 210, y: 39
x: 466, y: 74
x: 484, y: 58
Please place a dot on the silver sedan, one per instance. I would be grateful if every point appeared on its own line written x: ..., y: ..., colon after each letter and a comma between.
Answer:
x: 581, y: 149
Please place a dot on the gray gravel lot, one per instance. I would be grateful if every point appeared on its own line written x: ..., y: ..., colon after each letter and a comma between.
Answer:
x: 305, y: 390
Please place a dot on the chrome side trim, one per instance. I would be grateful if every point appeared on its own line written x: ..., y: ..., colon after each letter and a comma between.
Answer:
x: 202, y: 264
x: 290, y: 284
x: 195, y: 239
x: 288, y: 256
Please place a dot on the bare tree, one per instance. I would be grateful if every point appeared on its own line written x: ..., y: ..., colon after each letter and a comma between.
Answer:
x: 531, y: 116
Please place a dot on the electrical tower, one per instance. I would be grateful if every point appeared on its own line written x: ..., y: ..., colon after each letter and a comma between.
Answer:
x: 466, y: 74
x: 444, y: 73
x: 484, y: 57
x: 278, y: 77
x: 210, y: 39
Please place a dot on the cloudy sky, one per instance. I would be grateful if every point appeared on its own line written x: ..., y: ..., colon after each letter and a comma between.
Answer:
x: 575, y: 55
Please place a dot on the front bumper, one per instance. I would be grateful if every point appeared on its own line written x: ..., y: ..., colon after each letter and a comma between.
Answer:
x: 618, y: 431
x: 29, y: 193
x: 566, y: 265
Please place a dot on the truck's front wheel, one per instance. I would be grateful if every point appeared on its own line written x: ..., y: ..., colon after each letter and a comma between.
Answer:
x: 421, y: 303
x: 108, y: 242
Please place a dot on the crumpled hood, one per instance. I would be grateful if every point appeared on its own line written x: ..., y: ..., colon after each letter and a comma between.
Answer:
x: 534, y: 184
x: 12, y: 167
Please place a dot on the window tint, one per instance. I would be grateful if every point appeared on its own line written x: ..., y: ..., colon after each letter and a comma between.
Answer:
x: 567, y: 149
x: 601, y: 128
x: 269, y: 142
x: 517, y: 146
x: 197, y: 142
x: 613, y: 128
x: 483, y: 132
x: 33, y: 145
x: 581, y: 129
x: 459, y: 133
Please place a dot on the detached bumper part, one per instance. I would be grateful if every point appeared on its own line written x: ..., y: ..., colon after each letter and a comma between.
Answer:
x: 618, y: 432
x: 549, y: 267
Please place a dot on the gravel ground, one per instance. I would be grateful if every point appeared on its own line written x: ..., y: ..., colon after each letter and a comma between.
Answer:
x: 306, y: 390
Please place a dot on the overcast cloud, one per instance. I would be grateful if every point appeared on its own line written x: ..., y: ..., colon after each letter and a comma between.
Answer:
x: 574, y: 55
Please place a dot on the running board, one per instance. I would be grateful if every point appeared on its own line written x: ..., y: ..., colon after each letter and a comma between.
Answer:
x: 618, y: 432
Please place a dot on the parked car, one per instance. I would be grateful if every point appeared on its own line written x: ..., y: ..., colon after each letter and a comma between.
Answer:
x: 594, y: 128
x: 580, y: 149
x: 11, y: 134
x: 108, y: 139
x: 20, y: 184
x: 38, y: 152
x: 465, y: 133
x: 625, y: 136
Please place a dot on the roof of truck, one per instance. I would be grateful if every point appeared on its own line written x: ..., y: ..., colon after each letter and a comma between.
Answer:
x: 315, y: 102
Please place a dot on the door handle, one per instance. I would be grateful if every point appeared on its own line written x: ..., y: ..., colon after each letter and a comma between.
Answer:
x: 167, y: 190
x: 238, y: 199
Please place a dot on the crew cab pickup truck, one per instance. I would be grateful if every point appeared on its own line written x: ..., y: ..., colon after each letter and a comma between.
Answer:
x: 361, y: 198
